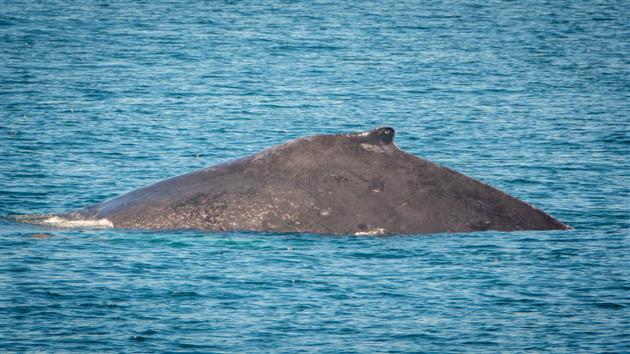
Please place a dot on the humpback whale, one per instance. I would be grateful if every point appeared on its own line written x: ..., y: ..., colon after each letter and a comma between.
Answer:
x: 360, y: 184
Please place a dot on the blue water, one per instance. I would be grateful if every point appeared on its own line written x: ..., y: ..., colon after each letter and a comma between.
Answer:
x: 98, y: 98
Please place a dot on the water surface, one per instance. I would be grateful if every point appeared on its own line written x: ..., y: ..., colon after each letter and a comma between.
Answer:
x: 98, y: 98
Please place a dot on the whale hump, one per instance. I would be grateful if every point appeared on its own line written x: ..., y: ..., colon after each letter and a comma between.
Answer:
x: 360, y: 184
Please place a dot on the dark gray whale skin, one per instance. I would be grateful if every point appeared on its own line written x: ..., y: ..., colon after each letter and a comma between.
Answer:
x: 328, y: 184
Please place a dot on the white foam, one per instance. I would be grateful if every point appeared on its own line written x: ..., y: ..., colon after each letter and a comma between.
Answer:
x: 61, y: 222
x: 373, y: 232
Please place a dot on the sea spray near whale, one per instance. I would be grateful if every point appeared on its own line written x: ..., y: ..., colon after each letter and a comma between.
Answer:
x: 360, y: 184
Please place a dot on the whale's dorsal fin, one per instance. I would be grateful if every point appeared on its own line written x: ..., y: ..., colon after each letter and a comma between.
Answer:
x: 378, y: 136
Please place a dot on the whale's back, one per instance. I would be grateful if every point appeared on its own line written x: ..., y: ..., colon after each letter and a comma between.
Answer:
x: 330, y: 184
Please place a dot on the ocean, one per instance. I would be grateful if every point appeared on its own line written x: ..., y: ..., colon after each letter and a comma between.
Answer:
x: 98, y: 98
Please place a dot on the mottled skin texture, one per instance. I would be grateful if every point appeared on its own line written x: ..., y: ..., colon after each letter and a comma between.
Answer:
x: 329, y: 184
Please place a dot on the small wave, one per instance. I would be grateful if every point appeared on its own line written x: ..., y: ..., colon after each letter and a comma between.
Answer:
x: 609, y: 305
x: 61, y: 222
